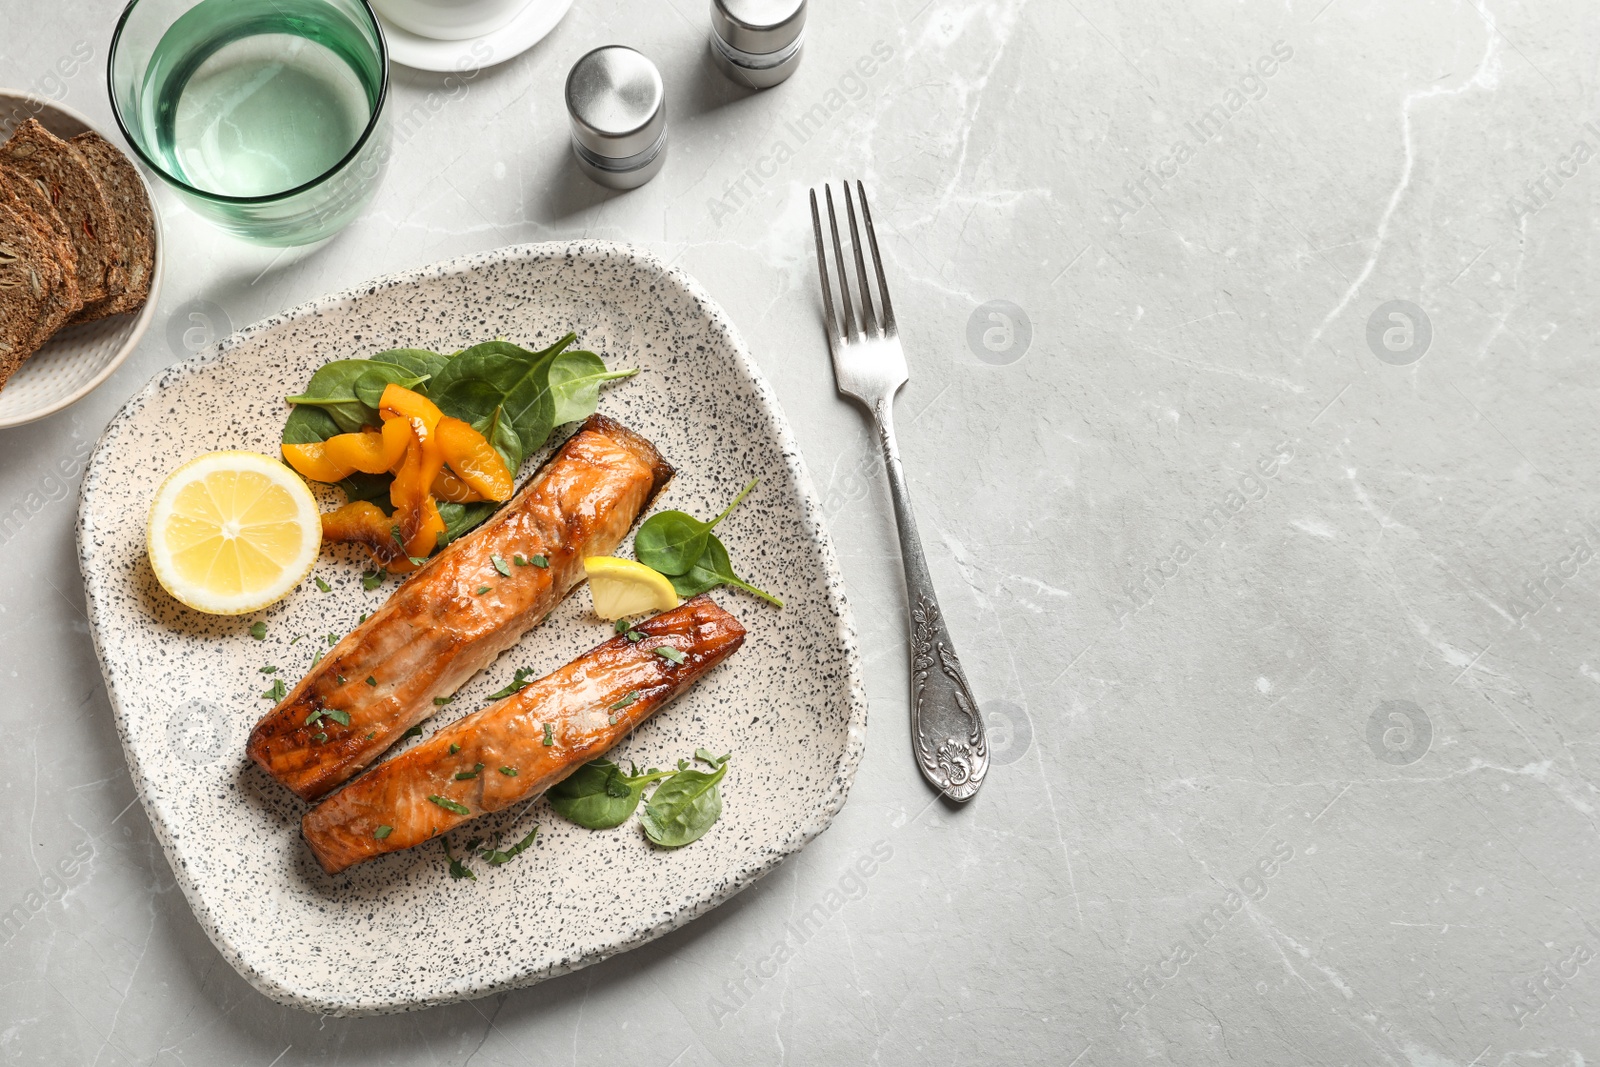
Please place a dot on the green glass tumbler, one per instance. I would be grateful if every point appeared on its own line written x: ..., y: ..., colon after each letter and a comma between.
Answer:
x: 266, y: 116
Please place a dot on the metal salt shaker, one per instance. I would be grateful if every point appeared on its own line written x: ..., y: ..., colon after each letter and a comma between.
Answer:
x: 758, y: 42
x: 618, y: 108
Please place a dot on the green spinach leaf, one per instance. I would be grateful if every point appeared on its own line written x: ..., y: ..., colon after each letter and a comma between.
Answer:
x: 461, y: 518
x: 500, y: 374
x: 711, y: 570
x: 672, y: 541
x: 308, y: 425
x: 333, y: 389
x: 575, y: 380
x: 369, y: 487
x: 598, y: 795
x: 683, y: 807
x: 370, y: 386
x: 418, y: 361
x: 496, y: 429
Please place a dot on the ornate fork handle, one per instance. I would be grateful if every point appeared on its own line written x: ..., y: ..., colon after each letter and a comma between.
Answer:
x: 946, y: 729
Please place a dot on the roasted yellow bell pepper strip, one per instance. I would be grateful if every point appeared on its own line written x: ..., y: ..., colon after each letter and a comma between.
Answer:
x: 414, y: 509
x: 415, y: 512
x: 396, y: 436
x: 431, y: 455
x: 473, y: 459
x: 448, y: 487
x: 422, y: 413
x: 363, y: 451
x: 312, y: 462
x: 363, y: 522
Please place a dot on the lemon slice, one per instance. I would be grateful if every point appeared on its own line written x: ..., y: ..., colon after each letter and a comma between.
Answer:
x: 232, y: 532
x: 622, y: 587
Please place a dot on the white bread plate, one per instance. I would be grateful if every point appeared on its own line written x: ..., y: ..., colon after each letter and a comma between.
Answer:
x: 77, y: 358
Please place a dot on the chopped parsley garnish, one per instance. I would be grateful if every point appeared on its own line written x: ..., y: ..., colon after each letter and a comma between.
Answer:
x: 482, y: 589
x: 462, y: 776
x: 670, y: 654
x: 449, y: 805
x: 296, y: 639
x: 340, y: 677
x: 415, y: 731
x: 457, y: 868
x: 277, y: 692
x: 370, y: 580
x: 269, y: 669
x: 509, y: 772
x: 338, y: 716
x: 496, y: 858
x: 364, y: 618
x: 519, y: 561
x: 332, y: 639
x: 454, y: 748
x: 627, y: 698
x: 634, y: 637
x: 258, y: 630
x: 394, y: 533
x: 518, y: 681
x: 549, y: 734
x: 440, y: 702
x: 417, y: 561
x: 319, y: 737
x: 622, y: 626
x: 374, y: 682
x: 382, y: 832
x: 322, y: 585
x: 500, y: 565
x: 538, y: 561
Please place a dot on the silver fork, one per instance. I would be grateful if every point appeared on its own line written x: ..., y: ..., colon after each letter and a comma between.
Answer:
x: 869, y: 366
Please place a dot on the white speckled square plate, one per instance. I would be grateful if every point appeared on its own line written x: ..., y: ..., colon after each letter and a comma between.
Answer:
x: 398, y: 932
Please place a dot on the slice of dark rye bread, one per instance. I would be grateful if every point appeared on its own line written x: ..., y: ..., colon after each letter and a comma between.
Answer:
x: 135, y: 222
x: 25, y: 198
x: 25, y: 267
x: 81, y: 199
x: 33, y: 194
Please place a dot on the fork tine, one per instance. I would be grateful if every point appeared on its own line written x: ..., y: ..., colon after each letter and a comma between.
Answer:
x: 867, y: 324
x: 822, y: 270
x: 877, y: 261
x: 844, y: 277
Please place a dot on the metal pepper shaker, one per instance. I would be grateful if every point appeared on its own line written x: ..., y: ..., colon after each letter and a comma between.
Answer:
x: 618, y: 108
x: 758, y: 42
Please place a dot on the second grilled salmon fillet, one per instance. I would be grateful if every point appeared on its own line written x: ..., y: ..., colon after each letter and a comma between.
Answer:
x: 524, y: 744
x: 439, y: 629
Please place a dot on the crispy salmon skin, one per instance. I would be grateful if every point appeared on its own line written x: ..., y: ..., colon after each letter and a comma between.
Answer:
x: 450, y: 619
x: 522, y: 745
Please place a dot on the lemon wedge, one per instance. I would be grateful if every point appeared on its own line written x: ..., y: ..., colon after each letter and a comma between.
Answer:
x: 622, y: 587
x: 232, y: 532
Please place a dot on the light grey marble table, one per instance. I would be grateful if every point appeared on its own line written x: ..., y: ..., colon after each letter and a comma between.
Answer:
x: 1251, y: 426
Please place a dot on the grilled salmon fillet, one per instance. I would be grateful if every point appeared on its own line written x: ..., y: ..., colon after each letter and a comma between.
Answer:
x: 522, y: 745
x: 454, y: 616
